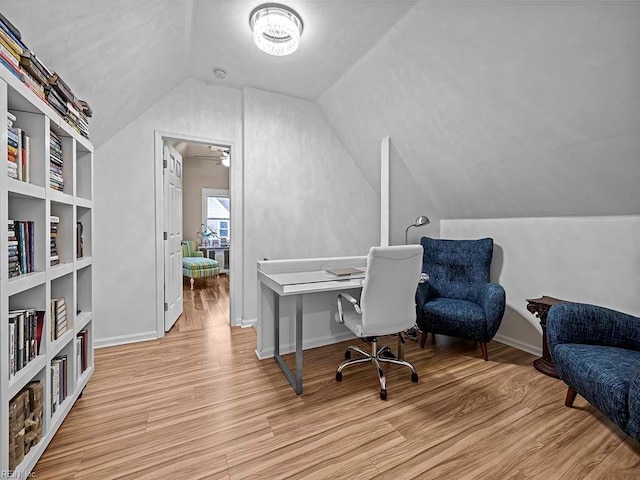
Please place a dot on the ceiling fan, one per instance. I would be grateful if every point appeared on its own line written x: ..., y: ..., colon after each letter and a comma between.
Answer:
x: 219, y: 154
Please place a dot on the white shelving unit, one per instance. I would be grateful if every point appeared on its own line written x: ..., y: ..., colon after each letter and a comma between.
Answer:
x: 71, y: 279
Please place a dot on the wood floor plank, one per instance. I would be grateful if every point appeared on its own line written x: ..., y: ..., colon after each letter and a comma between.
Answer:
x: 199, y: 404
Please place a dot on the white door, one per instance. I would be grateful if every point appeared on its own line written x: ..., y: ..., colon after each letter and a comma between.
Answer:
x: 172, y: 235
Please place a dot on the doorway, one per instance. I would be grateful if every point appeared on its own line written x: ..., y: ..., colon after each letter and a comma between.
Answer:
x: 208, y: 208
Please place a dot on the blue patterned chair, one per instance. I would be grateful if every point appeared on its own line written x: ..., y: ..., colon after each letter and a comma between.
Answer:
x: 194, y: 265
x: 458, y: 299
x: 596, y: 352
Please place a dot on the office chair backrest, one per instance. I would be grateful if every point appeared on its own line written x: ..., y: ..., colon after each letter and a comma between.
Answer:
x: 388, y: 293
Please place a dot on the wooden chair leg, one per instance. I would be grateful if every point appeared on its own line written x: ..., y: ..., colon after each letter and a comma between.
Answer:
x: 485, y: 355
x: 423, y: 339
x: 571, y: 396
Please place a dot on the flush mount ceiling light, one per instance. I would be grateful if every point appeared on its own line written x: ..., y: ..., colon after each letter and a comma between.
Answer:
x: 276, y: 29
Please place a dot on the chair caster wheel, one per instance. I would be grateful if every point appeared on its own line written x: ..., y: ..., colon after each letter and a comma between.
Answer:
x: 339, y: 376
x: 414, y: 377
x: 383, y: 394
x: 347, y: 355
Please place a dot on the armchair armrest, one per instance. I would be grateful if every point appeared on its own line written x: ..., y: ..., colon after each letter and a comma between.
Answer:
x: 633, y: 426
x: 351, y: 300
x: 592, y: 325
x: 424, y: 292
x: 197, y: 253
x: 492, y: 299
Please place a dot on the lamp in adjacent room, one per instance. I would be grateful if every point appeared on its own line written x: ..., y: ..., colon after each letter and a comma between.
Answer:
x: 276, y: 29
x: 420, y: 222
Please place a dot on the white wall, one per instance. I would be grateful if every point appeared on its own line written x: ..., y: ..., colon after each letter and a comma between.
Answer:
x: 304, y: 195
x: 407, y: 202
x: 503, y: 109
x: 124, y: 262
x: 199, y: 174
x: 583, y: 259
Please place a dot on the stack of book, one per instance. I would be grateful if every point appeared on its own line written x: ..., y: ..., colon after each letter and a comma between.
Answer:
x: 11, y: 48
x: 25, y: 333
x: 58, y: 381
x: 47, y: 85
x: 58, y: 318
x: 12, y: 246
x: 56, y: 181
x: 73, y: 110
x: 55, y: 221
x: 18, y: 152
x: 24, y: 237
x: 25, y: 422
x: 82, y: 346
x: 79, y: 240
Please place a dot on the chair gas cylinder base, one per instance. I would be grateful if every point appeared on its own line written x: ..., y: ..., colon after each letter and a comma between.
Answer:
x: 375, y: 357
x: 386, y: 307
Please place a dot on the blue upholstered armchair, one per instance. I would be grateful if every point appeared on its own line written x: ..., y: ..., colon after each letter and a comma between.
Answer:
x: 458, y: 299
x: 597, y: 353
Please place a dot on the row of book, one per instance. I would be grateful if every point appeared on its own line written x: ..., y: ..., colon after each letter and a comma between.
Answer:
x: 20, y: 247
x: 58, y: 381
x: 55, y: 222
x: 25, y: 422
x: 23, y: 63
x: 25, y: 335
x: 58, y: 317
x: 82, y: 349
x: 56, y: 180
x: 18, y: 151
x: 79, y: 240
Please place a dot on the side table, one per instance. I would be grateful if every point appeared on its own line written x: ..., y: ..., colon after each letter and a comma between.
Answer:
x: 540, y: 308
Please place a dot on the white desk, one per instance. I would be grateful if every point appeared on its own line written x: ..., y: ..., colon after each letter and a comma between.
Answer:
x: 297, y: 278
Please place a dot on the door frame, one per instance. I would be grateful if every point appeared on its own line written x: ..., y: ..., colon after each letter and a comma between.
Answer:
x: 236, y: 186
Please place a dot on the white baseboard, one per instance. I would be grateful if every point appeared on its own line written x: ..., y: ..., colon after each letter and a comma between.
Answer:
x: 306, y: 344
x: 123, y: 339
x: 525, y: 347
x: 248, y: 322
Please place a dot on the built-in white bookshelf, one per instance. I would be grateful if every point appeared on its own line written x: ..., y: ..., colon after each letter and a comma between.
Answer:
x: 70, y: 279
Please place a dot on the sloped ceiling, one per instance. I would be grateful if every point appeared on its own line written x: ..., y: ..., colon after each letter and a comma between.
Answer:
x: 336, y: 34
x: 503, y: 109
x: 498, y: 109
x: 121, y: 56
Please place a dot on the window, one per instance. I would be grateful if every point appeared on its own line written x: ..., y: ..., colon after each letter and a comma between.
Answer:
x: 216, y: 212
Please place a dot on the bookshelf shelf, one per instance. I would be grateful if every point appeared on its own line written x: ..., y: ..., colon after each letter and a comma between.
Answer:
x: 82, y: 320
x: 59, y: 270
x: 83, y: 262
x: 25, y: 282
x: 83, y: 202
x: 26, y: 374
x: 48, y: 206
x: 17, y: 188
x: 60, y: 197
x: 57, y: 345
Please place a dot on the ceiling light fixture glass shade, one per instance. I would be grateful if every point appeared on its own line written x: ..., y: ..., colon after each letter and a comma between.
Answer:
x: 276, y: 29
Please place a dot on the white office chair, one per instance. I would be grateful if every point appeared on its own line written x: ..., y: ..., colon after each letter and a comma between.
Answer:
x: 387, y: 306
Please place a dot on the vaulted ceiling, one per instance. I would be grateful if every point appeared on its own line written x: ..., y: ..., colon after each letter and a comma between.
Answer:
x: 122, y: 56
x: 497, y: 109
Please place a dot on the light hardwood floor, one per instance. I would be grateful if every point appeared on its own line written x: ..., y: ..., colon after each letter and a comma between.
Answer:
x: 198, y: 404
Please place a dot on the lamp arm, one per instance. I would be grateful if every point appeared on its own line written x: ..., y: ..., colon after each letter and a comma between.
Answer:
x: 406, y: 235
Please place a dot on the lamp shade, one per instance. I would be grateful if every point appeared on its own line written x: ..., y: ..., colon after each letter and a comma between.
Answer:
x: 421, y: 220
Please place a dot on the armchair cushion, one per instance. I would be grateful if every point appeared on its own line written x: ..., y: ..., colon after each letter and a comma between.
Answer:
x: 458, y: 318
x: 596, y: 351
x: 602, y: 375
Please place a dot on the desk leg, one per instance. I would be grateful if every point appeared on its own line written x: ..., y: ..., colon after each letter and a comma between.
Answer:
x: 296, y: 382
